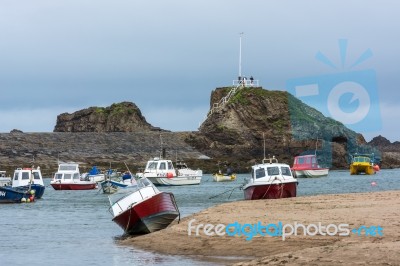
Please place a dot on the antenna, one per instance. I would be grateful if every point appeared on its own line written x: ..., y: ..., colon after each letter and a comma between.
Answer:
x: 161, y: 144
x: 240, y: 54
x: 264, y: 145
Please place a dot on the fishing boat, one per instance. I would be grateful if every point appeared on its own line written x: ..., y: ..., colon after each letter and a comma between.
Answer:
x: 68, y: 177
x: 4, y: 179
x: 94, y: 174
x: 161, y: 172
x: 219, y: 177
x: 270, y: 180
x: 110, y: 186
x: 362, y: 164
x: 29, y: 179
x: 10, y: 194
x: 307, y: 166
x: 143, y: 209
x: 183, y: 170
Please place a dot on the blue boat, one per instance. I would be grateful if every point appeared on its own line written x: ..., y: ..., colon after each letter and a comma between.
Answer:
x: 110, y: 186
x: 13, y: 195
x: 29, y: 179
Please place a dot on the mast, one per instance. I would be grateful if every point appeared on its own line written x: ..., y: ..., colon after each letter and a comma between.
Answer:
x: 240, y: 54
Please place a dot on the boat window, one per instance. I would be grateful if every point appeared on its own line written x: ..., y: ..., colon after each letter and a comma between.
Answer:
x: 260, y: 172
x: 286, y: 171
x: 308, y: 160
x: 162, y: 166
x: 36, y: 175
x: 16, y: 176
x: 76, y: 176
x: 273, y: 170
x: 25, y: 175
x: 58, y: 176
x: 67, y: 176
x: 313, y: 160
x: 300, y: 160
x: 152, y: 165
x: 170, y: 166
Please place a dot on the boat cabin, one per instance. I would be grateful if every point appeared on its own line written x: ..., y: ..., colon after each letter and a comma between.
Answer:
x: 305, y: 162
x: 361, y: 159
x: 262, y: 172
x: 26, y: 176
x: 159, y: 166
x: 67, y: 172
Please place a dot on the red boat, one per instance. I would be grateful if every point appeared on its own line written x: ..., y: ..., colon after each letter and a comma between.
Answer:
x: 307, y: 166
x: 270, y: 180
x: 143, y: 209
x: 69, y: 178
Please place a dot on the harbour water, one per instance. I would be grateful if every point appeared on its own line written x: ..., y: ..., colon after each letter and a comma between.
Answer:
x: 75, y: 227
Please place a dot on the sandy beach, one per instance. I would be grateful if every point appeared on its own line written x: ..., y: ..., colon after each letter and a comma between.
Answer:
x: 378, y: 245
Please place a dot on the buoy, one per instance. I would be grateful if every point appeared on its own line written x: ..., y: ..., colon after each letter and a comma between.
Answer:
x: 28, y: 200
x: 31, y: 198
x: 170, y: 175
x: 373, y: 183
x: 32, y: 192
x: 23, y: 200
x: 376, y: 167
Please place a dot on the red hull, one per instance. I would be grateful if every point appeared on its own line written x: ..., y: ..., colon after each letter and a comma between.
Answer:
x: 59, y: 186
x: 271, y: 191
x: 151, y: 215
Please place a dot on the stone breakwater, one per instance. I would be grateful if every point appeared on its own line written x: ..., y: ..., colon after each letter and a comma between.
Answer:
x: 46, y: 149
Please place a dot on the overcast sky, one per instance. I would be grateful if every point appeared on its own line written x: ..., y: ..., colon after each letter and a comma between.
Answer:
x: 61, y: 56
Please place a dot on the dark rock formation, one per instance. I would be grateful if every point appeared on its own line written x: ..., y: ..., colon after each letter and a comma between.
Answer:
x: 390, y: 151
x: 119, y: 117
x: 88, y: 149
x: 235, y: 130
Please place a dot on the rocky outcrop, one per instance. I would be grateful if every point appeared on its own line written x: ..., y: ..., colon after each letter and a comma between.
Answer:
x: 390, y: 151
x: 238, y: 128
x: 119, y: 117
x: 88, y: 149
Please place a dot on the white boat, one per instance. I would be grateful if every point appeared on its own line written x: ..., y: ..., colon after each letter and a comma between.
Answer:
x: 29, y: 179
x: 161, y: 172
x: 183, y: 170
x: 270, y: 180
x: 4, y: 179
x: 68, y: 177
x: 95, y: 175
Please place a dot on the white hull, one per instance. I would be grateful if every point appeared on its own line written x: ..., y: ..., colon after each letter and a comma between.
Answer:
x: 311, y: 173
x: 175, y: 181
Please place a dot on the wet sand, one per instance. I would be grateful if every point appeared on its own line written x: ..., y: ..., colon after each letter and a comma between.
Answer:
x: 358, y: 209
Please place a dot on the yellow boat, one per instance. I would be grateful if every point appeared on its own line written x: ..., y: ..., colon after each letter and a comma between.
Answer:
x: 223, y: 178
x: 361, y: 163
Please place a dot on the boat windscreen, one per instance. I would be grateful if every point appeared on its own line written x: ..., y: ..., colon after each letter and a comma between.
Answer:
x: 286, y: 171
x: 274, y: 170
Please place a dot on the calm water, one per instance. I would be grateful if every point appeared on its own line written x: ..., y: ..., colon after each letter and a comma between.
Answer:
x: 75, y: 227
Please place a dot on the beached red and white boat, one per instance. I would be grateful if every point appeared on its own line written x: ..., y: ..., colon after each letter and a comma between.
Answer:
x: 270, y: 180
x: 68, y: 177
x: 143, y: 209
x: 307, y: 166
